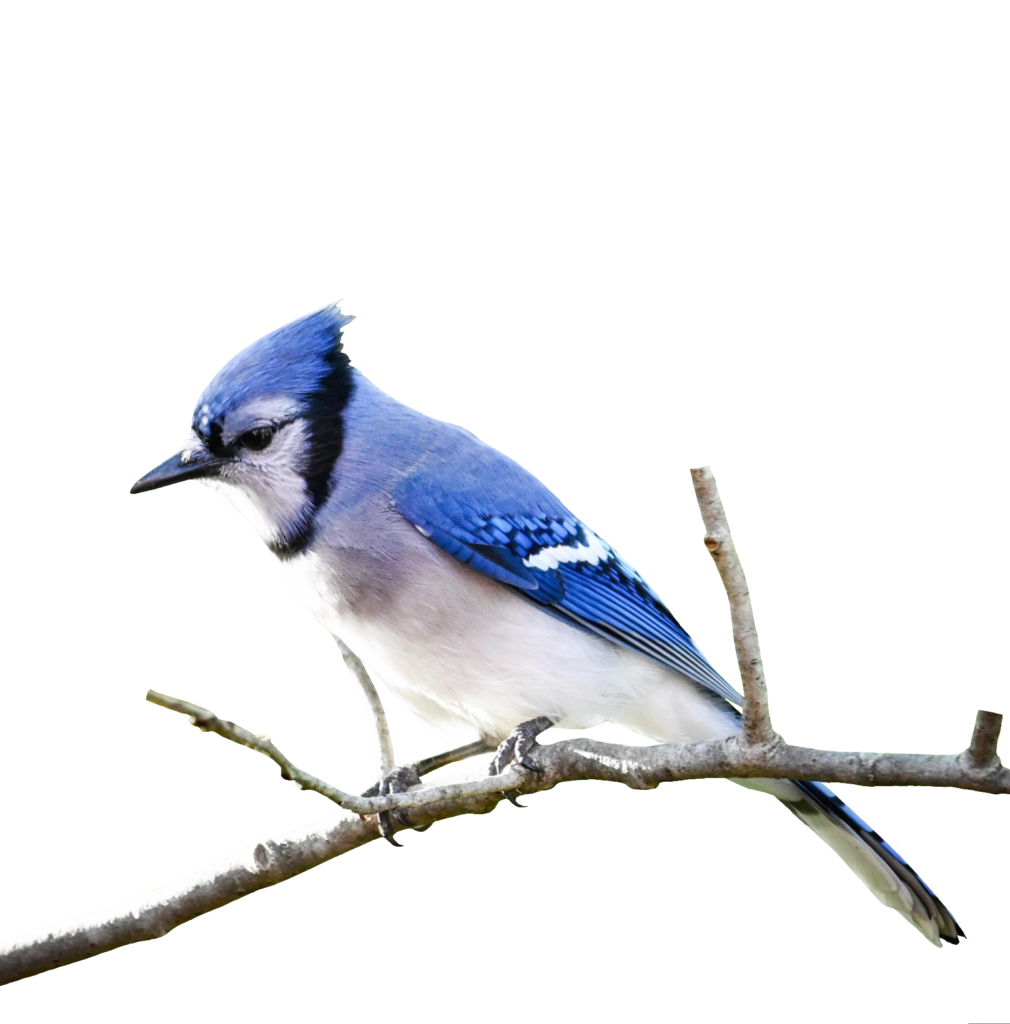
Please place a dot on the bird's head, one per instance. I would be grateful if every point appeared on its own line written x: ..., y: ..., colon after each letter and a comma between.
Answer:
x: 269, y: 426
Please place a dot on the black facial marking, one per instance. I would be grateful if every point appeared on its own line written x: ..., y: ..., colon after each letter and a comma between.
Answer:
x: 215, y: 441
x: 326, y: 439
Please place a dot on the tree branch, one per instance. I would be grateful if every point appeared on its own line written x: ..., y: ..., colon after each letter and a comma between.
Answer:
x: 756, y: 753
x: 378, y: 724
x: 273, y: 860
x: 982, y: 750
x: 757, y: 723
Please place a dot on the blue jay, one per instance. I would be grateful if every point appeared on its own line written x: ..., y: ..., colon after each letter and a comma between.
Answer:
x: 465, y: 584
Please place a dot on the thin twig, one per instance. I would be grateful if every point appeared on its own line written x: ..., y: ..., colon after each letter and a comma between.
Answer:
x: 984, y: 739
x: 719, y: 542
x: 375, y: 714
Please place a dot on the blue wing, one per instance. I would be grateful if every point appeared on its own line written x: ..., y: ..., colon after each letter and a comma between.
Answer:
x: 549, y: 556
x: 488, y: 512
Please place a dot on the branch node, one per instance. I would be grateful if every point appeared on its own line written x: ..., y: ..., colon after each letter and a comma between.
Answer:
x: 981, y: 752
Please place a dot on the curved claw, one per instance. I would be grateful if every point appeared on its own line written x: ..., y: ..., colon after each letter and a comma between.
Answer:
x: 512, y: 795
x: 404, y: 820
x: 399, y: 780
x: 386, y: 831
x: 401, y: 817
x: 517, y: 746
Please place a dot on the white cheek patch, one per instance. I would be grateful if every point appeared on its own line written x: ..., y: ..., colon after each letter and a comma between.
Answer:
x: 239, y: 499
x: 593, y: 552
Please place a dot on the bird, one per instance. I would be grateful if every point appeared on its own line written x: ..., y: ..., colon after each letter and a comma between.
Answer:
x: 465, y: 584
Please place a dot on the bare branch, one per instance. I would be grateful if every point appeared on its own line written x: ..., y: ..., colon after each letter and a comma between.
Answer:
x: 206, y: 721
x: 757, y: 727
x: 757, y: 753
x: 268, y: 861
x: 156, y: 913
x: 378, y: 724
x: 981, y: 753
x: 639, y: 767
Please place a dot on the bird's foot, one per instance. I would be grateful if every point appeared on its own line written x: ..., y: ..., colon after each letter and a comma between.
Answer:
x: 399, y: 780
x: 515, y: 750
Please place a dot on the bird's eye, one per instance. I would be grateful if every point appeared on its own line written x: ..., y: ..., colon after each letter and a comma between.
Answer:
x: 256, y: 439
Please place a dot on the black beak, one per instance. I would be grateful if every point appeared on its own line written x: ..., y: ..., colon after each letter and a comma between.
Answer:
x: 174, y: 470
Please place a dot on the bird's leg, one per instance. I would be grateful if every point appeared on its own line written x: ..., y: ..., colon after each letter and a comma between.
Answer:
x: 400, y: 779
x: 429, y: 764
x: 515, y: 750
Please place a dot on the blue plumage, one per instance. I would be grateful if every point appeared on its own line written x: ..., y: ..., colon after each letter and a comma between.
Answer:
x: 557, y: 561
x: 351, y: 489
